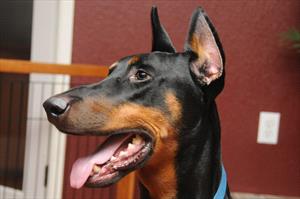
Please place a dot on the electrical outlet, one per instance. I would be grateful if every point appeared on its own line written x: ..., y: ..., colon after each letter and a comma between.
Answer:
x: 268, y: 127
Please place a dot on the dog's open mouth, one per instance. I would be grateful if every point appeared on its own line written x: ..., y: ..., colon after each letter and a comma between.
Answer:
x: 117, y: 156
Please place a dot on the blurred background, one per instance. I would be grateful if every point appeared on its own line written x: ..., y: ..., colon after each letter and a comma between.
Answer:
x: 259, y: 107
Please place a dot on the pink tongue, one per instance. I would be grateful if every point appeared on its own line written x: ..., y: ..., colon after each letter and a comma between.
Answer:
x: 83, y: 166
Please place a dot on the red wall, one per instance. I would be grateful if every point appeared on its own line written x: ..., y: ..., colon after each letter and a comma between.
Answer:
x: 262, y: 75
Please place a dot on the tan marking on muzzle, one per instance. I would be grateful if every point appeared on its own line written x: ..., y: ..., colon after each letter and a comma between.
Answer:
x: 88, y: 115
x: 131, y: 116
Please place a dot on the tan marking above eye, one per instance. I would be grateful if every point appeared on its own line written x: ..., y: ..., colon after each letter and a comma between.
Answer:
x: 133, y: 60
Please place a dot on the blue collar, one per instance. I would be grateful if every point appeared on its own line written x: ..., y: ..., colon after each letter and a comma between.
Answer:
x: 221, y: 192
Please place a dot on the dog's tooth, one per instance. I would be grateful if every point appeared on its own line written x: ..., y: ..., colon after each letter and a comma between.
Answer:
x: 113, y: 158
x: 137, y: 140
x: 130, y: 146
x: 96, y: 169
x: 123, y: 154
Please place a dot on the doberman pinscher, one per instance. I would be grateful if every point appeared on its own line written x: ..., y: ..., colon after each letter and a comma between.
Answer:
x: 159, y: 114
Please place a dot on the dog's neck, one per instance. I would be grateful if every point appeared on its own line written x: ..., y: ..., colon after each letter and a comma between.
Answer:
x: 159, y: 175
x: 198, y: 163
x: 199, y: 158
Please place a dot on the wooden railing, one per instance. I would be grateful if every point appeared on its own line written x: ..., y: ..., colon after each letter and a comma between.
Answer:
x: 26, y: 67
x: 126, y: 187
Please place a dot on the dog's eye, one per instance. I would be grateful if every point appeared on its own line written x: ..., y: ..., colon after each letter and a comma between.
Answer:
x: 140, y: 76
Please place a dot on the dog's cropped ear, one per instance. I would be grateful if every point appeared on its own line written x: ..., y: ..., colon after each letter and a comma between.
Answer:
x: 207, y: 60
x: 160, y: 38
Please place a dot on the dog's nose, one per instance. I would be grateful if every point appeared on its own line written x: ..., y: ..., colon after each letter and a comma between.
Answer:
x: 56, y: 106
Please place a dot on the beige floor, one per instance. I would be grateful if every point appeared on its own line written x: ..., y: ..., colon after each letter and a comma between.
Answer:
x: 258, y: 196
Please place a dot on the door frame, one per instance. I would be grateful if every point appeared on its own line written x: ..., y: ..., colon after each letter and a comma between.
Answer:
x: 52, y: 36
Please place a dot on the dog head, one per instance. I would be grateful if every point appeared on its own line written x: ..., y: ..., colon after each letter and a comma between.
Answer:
x: 143, y: 104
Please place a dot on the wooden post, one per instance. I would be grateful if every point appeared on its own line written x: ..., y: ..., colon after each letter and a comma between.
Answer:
x: 126, y: 187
